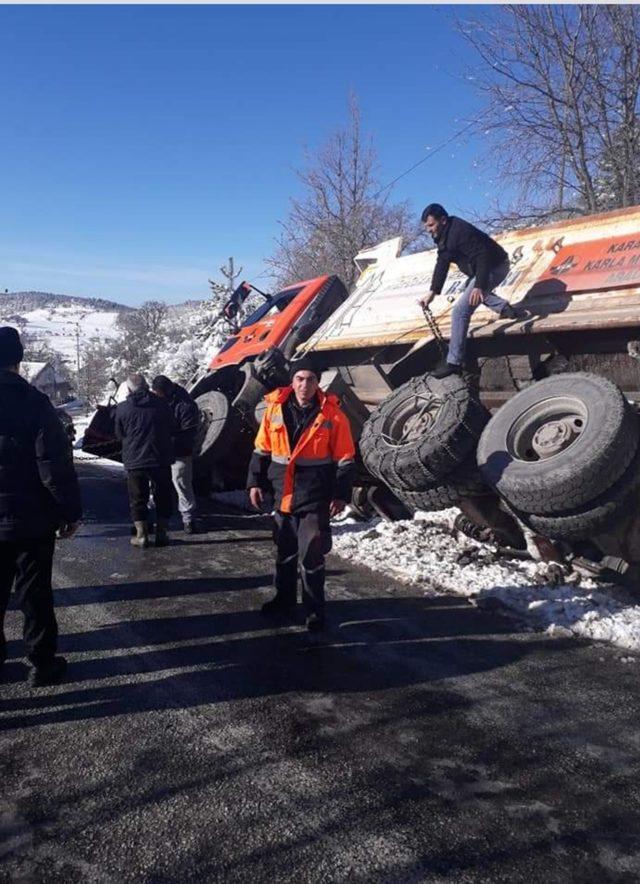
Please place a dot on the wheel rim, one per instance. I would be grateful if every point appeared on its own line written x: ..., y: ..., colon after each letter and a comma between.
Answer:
x: 411, y: 420
x: 547, y: 429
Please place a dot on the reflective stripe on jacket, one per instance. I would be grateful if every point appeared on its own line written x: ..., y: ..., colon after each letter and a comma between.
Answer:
x: 321, y: 466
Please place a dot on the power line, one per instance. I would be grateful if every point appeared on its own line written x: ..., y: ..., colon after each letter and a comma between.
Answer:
x: 427, y: 156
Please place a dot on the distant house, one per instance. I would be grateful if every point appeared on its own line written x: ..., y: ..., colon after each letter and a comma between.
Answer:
x: 45, y: 378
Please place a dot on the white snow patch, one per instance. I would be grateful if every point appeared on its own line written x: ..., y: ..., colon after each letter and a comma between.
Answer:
x: 427, y: 552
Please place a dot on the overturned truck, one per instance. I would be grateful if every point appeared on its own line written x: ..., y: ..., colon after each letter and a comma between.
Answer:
x: 541, y: 433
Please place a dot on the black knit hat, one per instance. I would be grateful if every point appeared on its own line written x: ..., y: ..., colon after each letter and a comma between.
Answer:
x: 305, y: 363
x: 11, y: 349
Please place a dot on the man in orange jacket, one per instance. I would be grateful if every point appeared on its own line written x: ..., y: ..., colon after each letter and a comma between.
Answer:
x: 305, y: 451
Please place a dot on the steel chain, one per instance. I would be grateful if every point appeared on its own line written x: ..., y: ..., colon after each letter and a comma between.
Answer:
x: 434, y: 329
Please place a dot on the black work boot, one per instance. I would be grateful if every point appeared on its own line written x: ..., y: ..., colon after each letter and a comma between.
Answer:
x: 444, y: 369
x: 162, y: 538
x: 315, y: 622
x: 48, y: 673
x: 511, y: 312
x: 277, y: 606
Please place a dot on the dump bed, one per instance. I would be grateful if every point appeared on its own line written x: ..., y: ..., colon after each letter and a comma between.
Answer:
x: 578, y: 275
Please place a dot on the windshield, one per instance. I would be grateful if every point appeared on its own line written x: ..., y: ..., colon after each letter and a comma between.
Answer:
x: 276, y: 305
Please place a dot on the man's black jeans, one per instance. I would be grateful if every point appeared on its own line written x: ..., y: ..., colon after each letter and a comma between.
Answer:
x: 305, y: 538
x: 140, y: 483
x: 26, y: 566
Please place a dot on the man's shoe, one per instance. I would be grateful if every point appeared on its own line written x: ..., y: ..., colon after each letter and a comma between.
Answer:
x: 150, y: 527
x: 50, y: 673
x: 190, y: 526
x: 277, y: 606
x: 444, y: 369
x: 162, y: 538
x: 142, y: 537
x: 511, y: 312
x: 315, y: 623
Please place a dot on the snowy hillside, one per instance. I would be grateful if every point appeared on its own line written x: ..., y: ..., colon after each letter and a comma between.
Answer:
x: 62, y: 323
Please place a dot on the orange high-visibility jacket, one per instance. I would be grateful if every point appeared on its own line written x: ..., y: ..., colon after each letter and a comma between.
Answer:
x: 321, y: 466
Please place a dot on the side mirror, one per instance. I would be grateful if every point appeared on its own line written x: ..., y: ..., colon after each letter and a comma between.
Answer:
x: 237, y: 299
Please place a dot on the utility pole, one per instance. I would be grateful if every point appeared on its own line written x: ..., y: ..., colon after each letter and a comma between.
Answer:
x: 231, y: 274
x: 78, y: 347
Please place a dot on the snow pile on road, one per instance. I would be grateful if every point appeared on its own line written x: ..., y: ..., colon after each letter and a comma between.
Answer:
x: 428, y: 552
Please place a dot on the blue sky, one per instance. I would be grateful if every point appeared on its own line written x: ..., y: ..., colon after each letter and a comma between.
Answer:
x: 143, y: 145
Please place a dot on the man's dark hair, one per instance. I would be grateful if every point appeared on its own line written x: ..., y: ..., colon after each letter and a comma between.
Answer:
x: 162, y: 384
x: 436, y: 211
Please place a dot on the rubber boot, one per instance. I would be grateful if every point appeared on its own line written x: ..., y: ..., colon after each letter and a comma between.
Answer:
x: 142, y: 537
x: 162, y: 538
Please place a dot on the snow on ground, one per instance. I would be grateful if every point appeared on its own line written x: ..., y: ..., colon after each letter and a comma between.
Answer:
x: 63, y: 326
x: 427, y: 552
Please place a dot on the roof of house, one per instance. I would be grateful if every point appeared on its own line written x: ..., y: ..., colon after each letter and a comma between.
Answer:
x: 30, y: 371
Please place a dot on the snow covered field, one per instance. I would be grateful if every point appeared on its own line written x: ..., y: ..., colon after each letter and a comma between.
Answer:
x: 429, y: 554
x: 64, y: 326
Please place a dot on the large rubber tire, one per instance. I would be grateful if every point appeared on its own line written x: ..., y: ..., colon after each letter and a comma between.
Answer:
x: 463, y: 482
x: 601, y: 514
x: 561, y: 483
x: 422, y: 431
x: 215, y: 434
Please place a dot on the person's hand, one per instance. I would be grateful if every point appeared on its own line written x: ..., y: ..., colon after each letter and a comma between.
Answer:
x: 425, y: 300
x: 256, y: 496
x: 66, y: 530
x: 475, y: 297
x: 336, y: 506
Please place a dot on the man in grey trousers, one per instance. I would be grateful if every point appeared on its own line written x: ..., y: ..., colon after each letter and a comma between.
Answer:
x: 186, y: 415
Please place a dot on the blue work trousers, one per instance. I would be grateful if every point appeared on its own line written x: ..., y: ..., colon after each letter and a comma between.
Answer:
x: 463, y: 311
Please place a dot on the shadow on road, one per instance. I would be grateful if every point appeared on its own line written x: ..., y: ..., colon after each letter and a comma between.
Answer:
x: 373, y: 645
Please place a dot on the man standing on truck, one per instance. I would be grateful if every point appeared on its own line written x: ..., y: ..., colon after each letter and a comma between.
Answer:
x: 486, y: 264
x: 39, y: 500
x: 304, y: 448
x: 186, y: 416
x: 145, y: 425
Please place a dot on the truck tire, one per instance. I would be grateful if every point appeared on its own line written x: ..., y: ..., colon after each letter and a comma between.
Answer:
x: 215, y: 433
x: 602, y: 513
x: 422, y: 431
x: 588, y: 429
x: 463, y: 482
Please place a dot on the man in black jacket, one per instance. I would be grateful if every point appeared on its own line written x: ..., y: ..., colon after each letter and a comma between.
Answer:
x: 187, y: 418
x: 39, y: 496
x: 483, y: 260
x: 145, y: 425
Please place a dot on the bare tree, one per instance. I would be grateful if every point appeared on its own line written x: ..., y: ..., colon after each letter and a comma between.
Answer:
x: 561, y: 85
x: 152, y: 316
x: 342, y: 210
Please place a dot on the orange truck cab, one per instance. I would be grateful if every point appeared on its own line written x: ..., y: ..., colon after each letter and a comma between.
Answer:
x: 253, y: 361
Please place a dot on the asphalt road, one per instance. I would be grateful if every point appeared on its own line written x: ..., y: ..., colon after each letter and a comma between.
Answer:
x: 419, y: 740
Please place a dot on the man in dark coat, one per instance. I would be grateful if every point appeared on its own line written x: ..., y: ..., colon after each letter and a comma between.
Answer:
x: 305, y: 451
x: 486, y: 264
x: 187, y: 418
x: 39, y: 496
x: 145, y: 425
